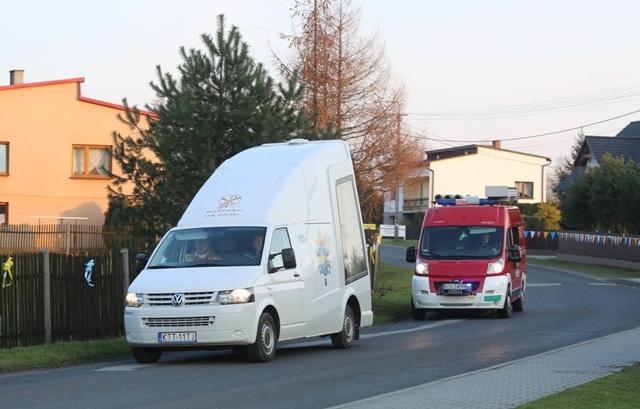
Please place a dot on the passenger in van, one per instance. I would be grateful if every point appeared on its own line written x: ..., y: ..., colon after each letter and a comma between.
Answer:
x: 202, y: 252
x: 256, y: 246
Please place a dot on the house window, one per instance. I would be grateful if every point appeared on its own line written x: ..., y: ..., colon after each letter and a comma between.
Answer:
x: 4, y: 158
x: 4, y: 213
x: 525, y: 190
x: 91, y: 161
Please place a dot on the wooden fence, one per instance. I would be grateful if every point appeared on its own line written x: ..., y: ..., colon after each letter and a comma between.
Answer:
x: 63, y: 238
x: 52, y: 297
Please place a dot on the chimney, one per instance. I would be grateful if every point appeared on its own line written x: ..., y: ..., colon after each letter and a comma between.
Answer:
x: 496, y: 144
x: 16, y: 77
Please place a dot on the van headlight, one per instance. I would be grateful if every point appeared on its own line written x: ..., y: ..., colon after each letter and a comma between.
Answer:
x: 496, y: 268
x: 134, y: 299
x: 237, y: 296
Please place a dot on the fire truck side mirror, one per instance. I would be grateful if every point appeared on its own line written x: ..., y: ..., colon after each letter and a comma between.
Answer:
x: 411, y: 254
x: 515, y: 253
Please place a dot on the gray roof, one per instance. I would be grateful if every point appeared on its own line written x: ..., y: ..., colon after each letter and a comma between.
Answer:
x: 626, y: 144
x: 628, y: 148
x: 564, y: 183
x: 630, y: 131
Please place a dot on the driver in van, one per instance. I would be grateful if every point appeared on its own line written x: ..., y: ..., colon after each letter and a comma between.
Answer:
x: 256, y: 246
x: 202, y: 252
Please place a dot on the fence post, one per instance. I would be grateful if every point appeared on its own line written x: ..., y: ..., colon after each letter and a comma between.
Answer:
x: 125, y: 272
x: 46, y: 287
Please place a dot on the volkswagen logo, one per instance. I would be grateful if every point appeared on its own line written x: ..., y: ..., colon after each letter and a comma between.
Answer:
x: 177, y: 300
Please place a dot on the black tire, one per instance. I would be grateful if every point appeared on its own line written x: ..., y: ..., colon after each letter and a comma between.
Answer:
x: 416, y: 313
x: 518, y: 305
x: 344, y: 339
x: 146, y: 355
x: 507, y: 309
x: 264, y: 349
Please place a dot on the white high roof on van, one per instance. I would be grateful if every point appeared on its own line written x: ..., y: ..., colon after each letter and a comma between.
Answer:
x: 275, y: 182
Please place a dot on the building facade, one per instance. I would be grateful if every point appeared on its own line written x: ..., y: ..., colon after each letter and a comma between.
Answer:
x: 55, y: 152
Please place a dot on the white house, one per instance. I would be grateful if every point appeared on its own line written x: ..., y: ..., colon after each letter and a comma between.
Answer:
x: 466, y: 170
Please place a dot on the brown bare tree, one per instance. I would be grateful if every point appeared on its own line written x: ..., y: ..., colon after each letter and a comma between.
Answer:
x: 349, y: 88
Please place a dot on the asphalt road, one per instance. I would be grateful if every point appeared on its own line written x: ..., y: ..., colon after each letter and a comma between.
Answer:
x: 561, y: 309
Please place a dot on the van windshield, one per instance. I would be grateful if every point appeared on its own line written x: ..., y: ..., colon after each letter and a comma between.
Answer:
x: 461, y: 242
x: 210, y: 246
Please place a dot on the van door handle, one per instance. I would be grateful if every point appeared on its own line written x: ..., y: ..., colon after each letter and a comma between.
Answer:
x: 296, y: 274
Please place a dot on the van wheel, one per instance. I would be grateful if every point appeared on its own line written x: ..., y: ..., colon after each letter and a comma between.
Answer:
x: 518, y: 305
x: 344, y: 339
x: 507, y: 309
x: 146, y: 355
x: 416, y: 313
x: 264, y: 349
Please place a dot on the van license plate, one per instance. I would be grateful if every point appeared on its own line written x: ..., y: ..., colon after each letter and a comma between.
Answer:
x: 177, y: 336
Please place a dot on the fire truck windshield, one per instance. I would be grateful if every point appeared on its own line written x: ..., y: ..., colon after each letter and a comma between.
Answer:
x: 459, y: 242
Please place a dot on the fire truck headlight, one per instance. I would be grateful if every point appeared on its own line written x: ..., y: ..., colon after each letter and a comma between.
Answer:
x: 496, y: 267
x: 422, y: 269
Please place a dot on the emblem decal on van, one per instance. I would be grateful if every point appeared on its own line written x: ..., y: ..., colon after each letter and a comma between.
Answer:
x: 323, y: 255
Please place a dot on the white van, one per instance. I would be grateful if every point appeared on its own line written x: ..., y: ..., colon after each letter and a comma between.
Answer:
x: 271, y: 248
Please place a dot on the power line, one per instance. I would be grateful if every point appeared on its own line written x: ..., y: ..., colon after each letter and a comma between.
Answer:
x: 549, y: 133
x: 583, y: 102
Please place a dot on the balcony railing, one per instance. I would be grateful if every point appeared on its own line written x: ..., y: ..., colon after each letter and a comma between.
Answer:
x: 415, y: 204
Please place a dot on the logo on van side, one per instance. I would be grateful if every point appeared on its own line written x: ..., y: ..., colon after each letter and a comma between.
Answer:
x: 226, y: 207
x: 229, y: 201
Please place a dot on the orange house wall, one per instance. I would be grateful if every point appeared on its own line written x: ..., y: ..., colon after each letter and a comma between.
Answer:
x: 42, y: 123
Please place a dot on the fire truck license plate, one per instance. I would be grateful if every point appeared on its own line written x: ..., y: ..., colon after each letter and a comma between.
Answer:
x: 177, y: 336
x: 454, y: 286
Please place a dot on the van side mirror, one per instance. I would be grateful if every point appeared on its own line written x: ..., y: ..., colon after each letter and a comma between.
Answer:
x: 289, y: 258
x: 515, y: 253
x: 411, y: 254
x: 285, y: 259
x: 141, y: 261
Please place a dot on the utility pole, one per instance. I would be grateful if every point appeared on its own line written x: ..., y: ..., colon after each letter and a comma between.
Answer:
x: 396, y: 226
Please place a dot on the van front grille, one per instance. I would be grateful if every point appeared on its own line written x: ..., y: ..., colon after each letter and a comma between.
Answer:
x: 178, y: 322
x: 197, y: 298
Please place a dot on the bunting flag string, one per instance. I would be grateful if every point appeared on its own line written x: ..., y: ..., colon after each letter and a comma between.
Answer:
x: 600, y: 239
x: 586, y: 238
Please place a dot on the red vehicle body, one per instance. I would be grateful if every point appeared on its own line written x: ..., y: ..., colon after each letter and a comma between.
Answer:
x: 470, y: 256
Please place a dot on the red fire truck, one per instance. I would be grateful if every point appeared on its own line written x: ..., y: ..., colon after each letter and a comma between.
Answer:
x: 471, y: 255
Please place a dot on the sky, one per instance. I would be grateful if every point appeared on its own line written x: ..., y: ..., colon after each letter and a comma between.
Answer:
x: 528, y: 73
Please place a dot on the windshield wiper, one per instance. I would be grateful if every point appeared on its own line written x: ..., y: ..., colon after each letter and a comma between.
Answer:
x: 160, y: 266
x: 205, y: 264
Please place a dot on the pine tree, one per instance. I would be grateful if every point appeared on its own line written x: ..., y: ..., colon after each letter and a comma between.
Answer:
x: 222, y: 103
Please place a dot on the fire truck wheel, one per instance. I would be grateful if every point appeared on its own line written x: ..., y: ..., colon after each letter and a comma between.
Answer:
x: 507, y: 309
x: 416, y: 314
x: 518, y: 305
